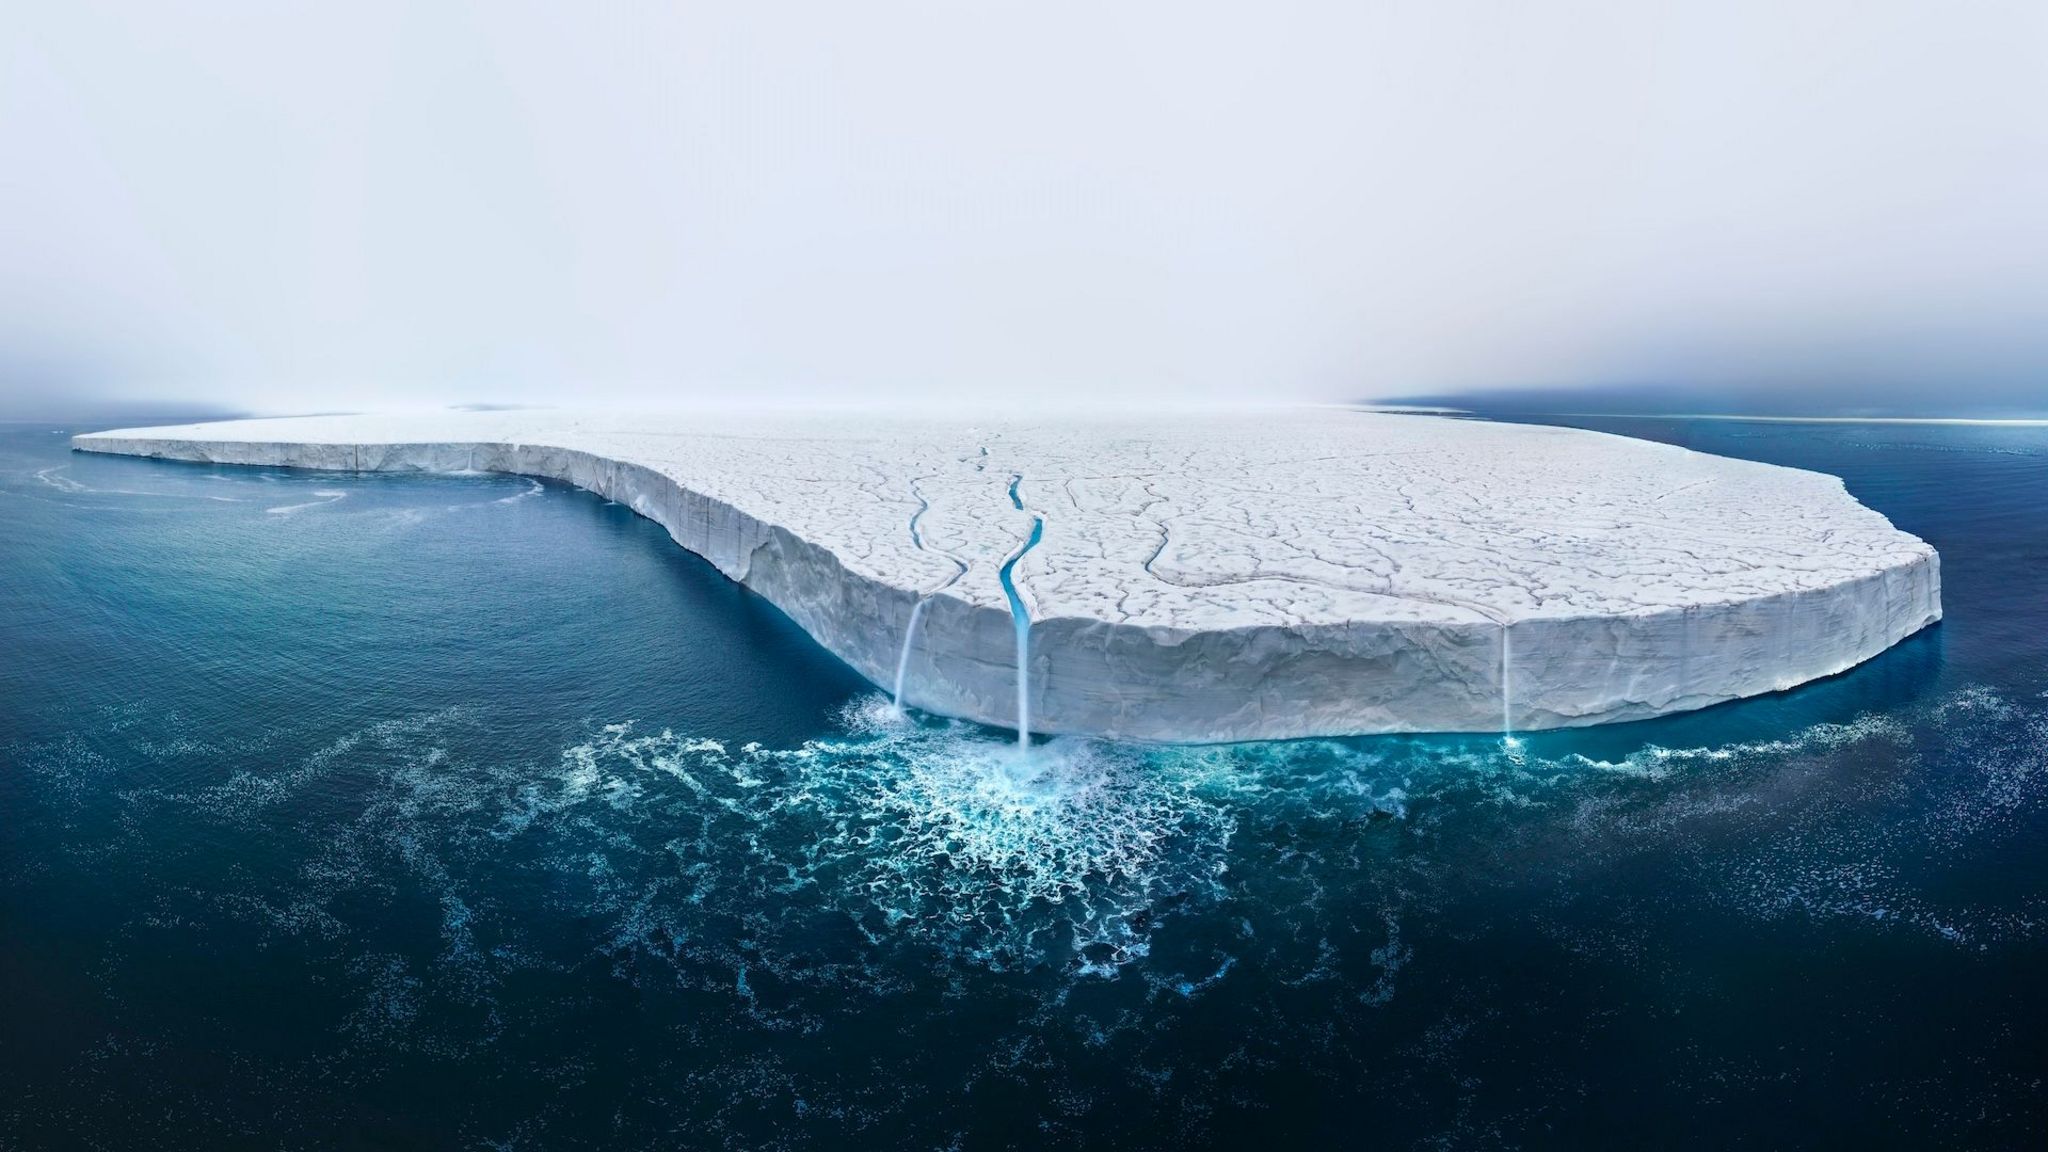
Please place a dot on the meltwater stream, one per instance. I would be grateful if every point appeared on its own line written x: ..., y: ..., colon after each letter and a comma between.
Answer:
x: 1021, y: 617
x: 917, y: 609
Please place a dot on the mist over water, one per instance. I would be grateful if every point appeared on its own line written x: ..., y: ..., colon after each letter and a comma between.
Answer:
x: 469, y: 810
x: 390, y: 204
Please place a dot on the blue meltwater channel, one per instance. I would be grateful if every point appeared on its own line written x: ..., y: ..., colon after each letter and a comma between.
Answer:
x: 1020, y: 617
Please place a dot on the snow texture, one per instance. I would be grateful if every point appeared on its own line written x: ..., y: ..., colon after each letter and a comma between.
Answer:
x: 1218, y: 576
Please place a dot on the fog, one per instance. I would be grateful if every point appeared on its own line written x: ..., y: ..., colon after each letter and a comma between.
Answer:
x: 281, y: 207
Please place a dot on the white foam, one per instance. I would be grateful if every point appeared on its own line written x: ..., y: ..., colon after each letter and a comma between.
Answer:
x: 329, y: 497
x: 68, y: 485
x: 534, y: 489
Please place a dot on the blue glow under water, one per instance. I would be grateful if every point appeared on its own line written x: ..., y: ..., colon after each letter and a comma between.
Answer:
x: 469, y: 811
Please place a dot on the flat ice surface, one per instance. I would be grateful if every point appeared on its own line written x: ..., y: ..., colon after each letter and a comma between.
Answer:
x: 1221, y: 575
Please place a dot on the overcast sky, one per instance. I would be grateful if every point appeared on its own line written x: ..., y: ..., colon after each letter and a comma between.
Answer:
x: 312, y: 206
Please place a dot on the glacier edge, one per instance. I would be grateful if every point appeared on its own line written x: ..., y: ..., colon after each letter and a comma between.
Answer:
x: 1202, y: 669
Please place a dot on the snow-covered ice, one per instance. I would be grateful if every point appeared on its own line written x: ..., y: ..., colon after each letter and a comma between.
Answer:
x: 1218, y: 576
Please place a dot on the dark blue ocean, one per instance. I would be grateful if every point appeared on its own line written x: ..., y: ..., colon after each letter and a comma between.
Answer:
x: 469, y: 812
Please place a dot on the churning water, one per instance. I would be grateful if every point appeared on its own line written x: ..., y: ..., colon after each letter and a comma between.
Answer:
x: 467, y: 811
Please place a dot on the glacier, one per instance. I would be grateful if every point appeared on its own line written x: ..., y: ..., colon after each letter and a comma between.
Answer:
x: 1214, y: 576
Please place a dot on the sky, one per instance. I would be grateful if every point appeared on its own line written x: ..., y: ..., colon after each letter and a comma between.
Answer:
x: 308, y: 207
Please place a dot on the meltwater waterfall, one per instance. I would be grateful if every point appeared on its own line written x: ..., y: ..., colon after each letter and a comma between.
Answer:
x: 1507, y: 695
x: 917, y: 609
x: 903, y: 661
x: 1020, y: 617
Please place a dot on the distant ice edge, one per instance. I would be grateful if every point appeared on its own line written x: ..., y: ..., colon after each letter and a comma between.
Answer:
x: 1096, y: 678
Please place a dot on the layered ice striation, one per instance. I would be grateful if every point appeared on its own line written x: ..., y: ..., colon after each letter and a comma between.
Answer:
x: 1224, y: 576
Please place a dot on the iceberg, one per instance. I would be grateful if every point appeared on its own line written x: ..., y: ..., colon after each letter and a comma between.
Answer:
x: 1218, y: 576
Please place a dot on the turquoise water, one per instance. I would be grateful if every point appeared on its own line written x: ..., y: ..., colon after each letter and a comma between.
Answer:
x: 469, y: 811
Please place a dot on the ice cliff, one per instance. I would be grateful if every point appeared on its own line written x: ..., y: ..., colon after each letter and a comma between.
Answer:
x: 1226, y: 576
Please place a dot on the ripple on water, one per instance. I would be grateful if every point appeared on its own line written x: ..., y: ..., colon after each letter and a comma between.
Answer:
x: 1112, y: 888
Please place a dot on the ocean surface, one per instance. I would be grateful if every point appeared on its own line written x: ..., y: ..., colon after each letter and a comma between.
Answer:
x: 470, y: 812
